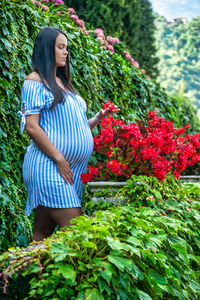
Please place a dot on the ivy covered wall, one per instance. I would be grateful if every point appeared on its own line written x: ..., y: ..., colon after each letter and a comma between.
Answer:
x: 97, y: 74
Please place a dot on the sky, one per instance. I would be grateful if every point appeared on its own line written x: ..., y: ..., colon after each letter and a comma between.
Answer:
x: 177, y: 8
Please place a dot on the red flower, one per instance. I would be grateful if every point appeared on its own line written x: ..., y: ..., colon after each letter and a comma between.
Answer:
x: 109, y: 104
x: 124, y: 167
x: 93, y: 171
x: 114, y: 166
x: 187, y: 126
x: 85, y: 178
x: 118, y: 122
x: 152, y: 115
x: 180, y: 131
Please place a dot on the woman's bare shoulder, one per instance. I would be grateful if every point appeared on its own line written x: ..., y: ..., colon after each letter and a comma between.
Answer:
x: 34, y: 76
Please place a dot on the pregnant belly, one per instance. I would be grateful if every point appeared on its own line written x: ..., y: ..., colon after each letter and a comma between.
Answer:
x: 76, y: 147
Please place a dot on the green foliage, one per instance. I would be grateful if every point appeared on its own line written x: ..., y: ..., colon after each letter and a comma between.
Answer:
x: 142, y: 191
x: 97, y: 74
x: 131, y: 21
x: 149, y: 191
x: 133, y: 251
x: 178, y: 51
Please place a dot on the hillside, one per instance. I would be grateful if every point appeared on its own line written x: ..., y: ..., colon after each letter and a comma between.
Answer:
x: 178, y: 50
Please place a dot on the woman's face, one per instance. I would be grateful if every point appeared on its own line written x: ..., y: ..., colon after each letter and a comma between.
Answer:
x: 61, y: 50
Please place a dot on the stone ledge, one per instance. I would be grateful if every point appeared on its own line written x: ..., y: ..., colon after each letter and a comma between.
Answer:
x: 114, y: 186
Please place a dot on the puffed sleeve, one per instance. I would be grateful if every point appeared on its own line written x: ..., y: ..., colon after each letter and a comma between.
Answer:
x: 33, y: 99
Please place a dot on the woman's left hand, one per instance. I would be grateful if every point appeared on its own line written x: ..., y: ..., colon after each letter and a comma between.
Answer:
x: 109, y: 110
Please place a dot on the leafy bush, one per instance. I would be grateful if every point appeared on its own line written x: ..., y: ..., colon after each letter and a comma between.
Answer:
x: 125, y: 252
x: 97, y: 74
x: 147, y: 191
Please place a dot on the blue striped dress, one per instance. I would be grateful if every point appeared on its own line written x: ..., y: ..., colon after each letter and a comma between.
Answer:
x: 67, y: 128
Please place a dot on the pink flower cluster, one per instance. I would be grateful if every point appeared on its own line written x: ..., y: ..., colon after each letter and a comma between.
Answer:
x: 127, y: 55
x: 77, y: 21
x: 101, y: 37
x: 153, y: 148
x: 111, y: 40
x: 57, y: 2
x: 107, y: 43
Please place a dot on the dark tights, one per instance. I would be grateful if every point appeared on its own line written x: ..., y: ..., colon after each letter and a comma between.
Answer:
x: 47, y: 218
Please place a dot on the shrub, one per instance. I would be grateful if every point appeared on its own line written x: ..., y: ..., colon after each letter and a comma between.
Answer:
x: 125, y: 252
x: 151, y: 148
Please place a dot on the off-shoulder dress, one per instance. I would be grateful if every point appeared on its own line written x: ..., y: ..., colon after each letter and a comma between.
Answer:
x: 67, y: 127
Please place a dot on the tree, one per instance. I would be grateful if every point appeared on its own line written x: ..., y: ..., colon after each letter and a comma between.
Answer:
x: 145, y: 48
x: 132, y: 21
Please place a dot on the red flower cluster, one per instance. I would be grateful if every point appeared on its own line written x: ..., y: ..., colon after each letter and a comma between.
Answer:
x: 108, y: 103
x: 152, y: 148
x: 114, y: 166
x: 85, y: 178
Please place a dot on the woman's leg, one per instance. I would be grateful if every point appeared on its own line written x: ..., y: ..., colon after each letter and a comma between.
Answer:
x: 47, y: 218
x: 44, y: 225
x: 62, y: 216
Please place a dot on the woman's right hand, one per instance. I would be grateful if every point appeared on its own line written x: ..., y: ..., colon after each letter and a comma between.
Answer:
x: 64, y: 170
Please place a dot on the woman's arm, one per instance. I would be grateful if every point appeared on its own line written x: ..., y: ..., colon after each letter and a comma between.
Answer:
x: 95, y: 120
x: 34, y: 130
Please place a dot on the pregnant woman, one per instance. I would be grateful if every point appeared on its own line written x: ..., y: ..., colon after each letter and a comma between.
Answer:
x: 54, y: 116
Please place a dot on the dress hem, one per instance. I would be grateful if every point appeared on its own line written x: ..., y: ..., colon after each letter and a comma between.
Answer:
x: 29, y: 211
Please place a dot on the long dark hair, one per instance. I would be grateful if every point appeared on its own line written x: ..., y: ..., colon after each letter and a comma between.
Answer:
x: 43, y: 62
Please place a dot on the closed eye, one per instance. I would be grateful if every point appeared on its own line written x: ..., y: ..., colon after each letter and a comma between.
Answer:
x: 61, y: 46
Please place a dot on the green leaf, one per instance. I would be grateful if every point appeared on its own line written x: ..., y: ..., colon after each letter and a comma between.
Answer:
x: 103, y: 286
x: 195, y: 287
x: 116, y: 244
x: 143, y: 296
x: 157, y: 194
x: 164, y: 288
x: 6, y: 43
x: 88, y: 244
x: 62, y: 292
x: 48, y: 292
x: 35, y: 269
x: 93, y: 294
x: 4, y: 83
x: 134, y: 241
x: 120, y: 262
x: 136, y: 273
x: 59, y: 251
x: 180, y: 247
x: 107, y: 271
x: 157, y: 277
x: 67, y: 271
